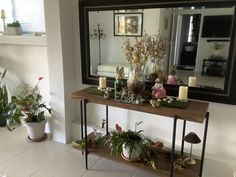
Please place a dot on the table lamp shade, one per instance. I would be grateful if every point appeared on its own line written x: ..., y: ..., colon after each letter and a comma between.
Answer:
x: 192, y: 138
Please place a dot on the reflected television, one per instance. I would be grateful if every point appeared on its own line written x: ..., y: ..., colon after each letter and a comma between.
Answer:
x: 217, y: 26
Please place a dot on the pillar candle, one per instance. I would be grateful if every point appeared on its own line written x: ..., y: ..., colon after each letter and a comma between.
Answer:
x: 183, y: 93
x: 192, y: 81
x: 102, y: 82
x: 3, y: 15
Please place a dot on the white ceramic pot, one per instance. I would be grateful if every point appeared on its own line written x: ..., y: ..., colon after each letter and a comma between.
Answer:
x: 35, y: 130
x: 14, y: 31
x: 136, y: 153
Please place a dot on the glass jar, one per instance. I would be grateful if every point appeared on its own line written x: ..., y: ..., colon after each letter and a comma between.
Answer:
x: 136, y: 80
x: 154, y: 67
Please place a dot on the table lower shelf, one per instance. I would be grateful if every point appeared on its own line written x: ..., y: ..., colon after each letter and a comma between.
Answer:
x: 163, y: 162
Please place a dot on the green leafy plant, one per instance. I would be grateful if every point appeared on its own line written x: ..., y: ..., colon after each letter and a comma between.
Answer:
x: 27, y: 104
x: 133, y: 139
x: 3, y: 98
x: 14, y: 24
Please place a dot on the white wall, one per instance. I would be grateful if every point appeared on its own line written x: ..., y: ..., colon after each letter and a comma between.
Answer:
x: 62, y: 66
x: 25, y: 63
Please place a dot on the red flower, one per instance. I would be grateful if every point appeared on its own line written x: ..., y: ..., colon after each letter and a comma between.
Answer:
x: 40, y: 78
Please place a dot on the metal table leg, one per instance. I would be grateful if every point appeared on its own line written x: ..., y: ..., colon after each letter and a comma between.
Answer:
x: 183, y: 134
x: 81, y: 120
x: 106, y: 120
x: 86, y: 136
x: 204, y: 143
x: 173, y: 146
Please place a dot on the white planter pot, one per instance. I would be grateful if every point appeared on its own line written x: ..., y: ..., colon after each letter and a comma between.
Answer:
x: 13, y: 31
x: 136, y: 153
x: 35, y: 130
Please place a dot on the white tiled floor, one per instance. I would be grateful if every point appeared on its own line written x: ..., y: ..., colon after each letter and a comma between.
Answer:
x: 21, y: 158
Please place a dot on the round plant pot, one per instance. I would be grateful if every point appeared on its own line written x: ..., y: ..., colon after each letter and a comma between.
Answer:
x: 134, y: 156
x: 36, y: 131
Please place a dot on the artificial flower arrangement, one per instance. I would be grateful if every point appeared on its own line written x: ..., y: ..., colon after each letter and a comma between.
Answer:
x: 137, y: 55
x: 144, y: 48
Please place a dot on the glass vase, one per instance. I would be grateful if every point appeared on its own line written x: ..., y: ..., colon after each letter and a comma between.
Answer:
x: 155, y: 65
x: 136, y: 80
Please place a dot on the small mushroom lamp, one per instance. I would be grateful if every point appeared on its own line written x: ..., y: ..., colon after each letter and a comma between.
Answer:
x: 193, y: 139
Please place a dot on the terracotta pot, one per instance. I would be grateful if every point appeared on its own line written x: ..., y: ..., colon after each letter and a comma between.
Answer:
x: 36, y: 130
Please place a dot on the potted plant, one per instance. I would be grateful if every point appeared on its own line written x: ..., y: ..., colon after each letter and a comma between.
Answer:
x: 27, y: 108
x: 3, y: 99
x: 14, y: 28
x: 127, y: 143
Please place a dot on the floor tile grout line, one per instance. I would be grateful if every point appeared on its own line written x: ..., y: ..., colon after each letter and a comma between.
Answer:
x: 17, y: 155
x: 91, y: 167
x: 50, y: 162
x: 134, y: 174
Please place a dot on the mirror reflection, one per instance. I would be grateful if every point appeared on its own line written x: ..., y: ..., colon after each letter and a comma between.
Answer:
x: 196, y: 41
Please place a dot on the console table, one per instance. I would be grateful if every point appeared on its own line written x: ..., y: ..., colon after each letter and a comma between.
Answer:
x: 195, y: 112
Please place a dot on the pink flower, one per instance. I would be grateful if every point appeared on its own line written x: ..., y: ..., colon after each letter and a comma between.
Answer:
x: 118, y: 128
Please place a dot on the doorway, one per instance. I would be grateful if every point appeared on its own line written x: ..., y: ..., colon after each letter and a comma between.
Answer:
x: 185, y: 38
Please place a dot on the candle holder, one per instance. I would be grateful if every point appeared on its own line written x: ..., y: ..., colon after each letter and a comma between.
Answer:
x: 98, y: 34
x: 102, y: 83
x: 183, y: 94
x: 4, y: 23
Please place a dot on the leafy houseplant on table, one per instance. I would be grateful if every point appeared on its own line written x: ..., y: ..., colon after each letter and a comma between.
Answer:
x: 3, y: 99
x: 27, y: 107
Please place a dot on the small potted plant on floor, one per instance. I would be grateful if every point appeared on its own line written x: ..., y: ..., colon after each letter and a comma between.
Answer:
x: 27, y: 108
x: 14, y: 28
x: 3, y: 99
x: 127, y: 143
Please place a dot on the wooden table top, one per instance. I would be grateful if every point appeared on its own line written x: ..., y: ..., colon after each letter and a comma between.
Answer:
x: 195, y: 111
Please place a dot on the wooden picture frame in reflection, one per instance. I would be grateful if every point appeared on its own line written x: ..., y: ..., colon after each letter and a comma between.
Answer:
x: 128, y: 24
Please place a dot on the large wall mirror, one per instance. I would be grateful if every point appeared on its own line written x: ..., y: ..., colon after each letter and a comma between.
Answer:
x: 199, y: 42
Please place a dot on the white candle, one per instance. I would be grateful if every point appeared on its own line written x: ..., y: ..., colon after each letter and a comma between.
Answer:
x: 102, y: 82
x: 192, y: 81
x: 3, y: 15
x: 183, y: 93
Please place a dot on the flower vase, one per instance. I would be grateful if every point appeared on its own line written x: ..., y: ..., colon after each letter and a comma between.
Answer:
x: 154, y: 67
x: 136, y: 80
x: 153, y: 70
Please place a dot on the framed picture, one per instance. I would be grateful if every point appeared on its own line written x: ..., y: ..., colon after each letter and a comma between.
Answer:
x: 128, y: 24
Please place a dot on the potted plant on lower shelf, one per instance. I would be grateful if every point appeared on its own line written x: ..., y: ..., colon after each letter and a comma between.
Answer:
x: 28, y: 109
x: 127, y: 143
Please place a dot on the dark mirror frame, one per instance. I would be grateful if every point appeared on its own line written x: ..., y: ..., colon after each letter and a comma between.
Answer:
x: 227, y: 95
